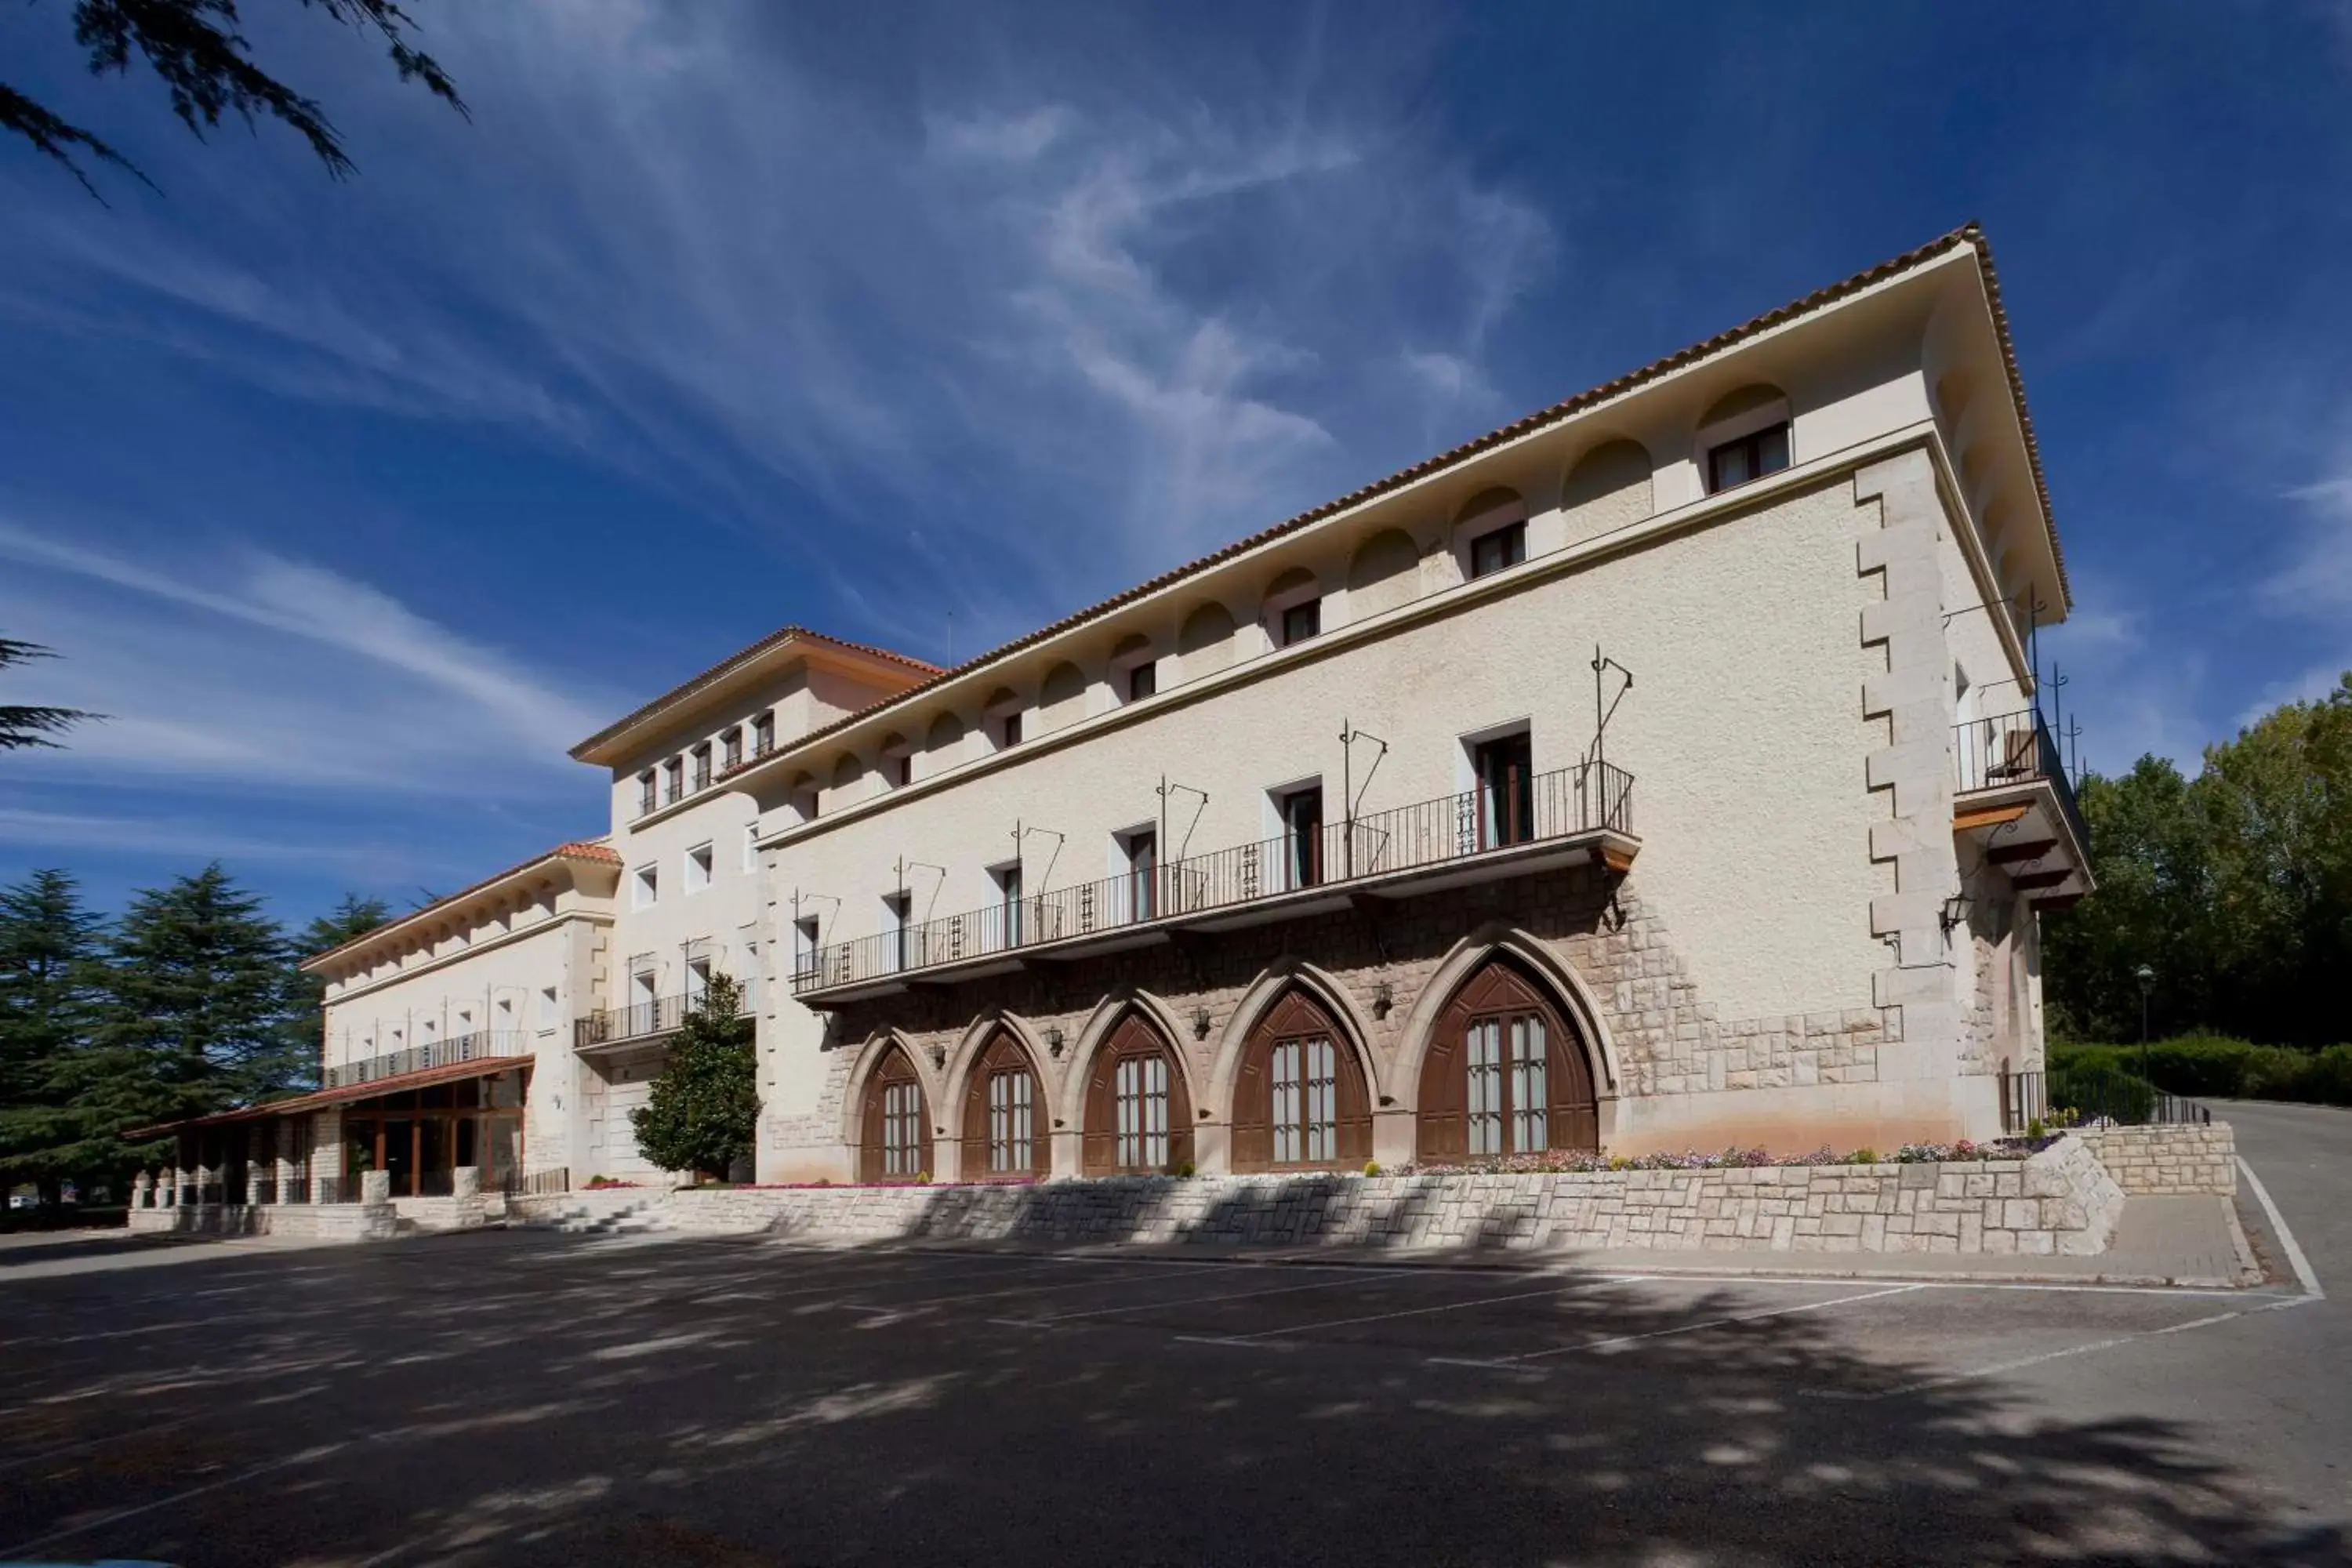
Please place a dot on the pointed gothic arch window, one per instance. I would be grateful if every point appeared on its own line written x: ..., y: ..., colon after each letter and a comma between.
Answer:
x: 896, y: 1143
x: 1138, y: 1114
x: 1004, y: 1125
x: 1299, y: 1097
x: 1505, y: 1075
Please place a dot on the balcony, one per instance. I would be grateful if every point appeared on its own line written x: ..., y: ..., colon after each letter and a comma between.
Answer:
x: 2013, y: 799
x: 641, y: 1020
x: 1562, y: 818
x: 478, y: 1046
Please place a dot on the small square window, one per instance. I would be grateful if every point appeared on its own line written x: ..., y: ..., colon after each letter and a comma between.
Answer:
x: 1302, y: 621
x: 698, y: 868
x: 1143, y: 681
x: 1494, y: 551
x: 1749, y: 458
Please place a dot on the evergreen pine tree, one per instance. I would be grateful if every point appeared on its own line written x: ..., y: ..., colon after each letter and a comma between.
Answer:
x: 195, y: 1017
x: 305, y: 1025
x: 49, y: 997
x: 704, y: 1110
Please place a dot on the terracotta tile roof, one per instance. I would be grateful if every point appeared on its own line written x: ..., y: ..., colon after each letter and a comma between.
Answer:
x: 423, y: 1078
x: 576, y: 849
x: 693, y: 684
x: 1968, y: 234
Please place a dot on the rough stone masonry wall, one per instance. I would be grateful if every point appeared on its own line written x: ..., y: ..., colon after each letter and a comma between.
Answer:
x: 2168, y: 1161
x: 2060, y: 1201
x: 1669, y: 1039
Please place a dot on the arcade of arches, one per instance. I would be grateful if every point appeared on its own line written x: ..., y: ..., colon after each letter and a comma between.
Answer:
x: 1504, y: 1073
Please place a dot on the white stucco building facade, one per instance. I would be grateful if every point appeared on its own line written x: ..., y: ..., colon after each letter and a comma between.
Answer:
x: 1662, y: 770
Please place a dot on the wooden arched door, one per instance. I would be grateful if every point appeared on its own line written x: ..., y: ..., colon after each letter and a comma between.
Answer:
x: 1004, y: 1121
x: 1299, y: 1099
x: 1139, y: 1112
x: 1505, y: 1075
x: 896, y: 1143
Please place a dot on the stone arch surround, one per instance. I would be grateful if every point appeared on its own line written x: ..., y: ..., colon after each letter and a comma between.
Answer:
x: 1661, y: 1040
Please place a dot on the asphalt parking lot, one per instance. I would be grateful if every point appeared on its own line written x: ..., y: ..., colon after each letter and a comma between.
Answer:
x: 525, y: 1398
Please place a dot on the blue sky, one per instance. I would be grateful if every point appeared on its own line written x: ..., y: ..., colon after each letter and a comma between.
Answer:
x: 355, y: 504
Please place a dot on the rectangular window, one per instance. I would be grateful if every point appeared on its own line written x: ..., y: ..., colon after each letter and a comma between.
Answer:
x: 673, y: 779
x: 1748, y: 457
x: 1485, y: 1051
x: 1008, y: 893
x: 1142, y: 1090
x: 648, y: 792
x: 1302, y: 834
x: 804, y: 939
x: 698, y: 980
x: 548, y: 1016
x: 698, y: 865
x: 1305, y: 1102
x: 902, y: 1129
x: 645, y: 889
x: 752, y: 846
x: 897, y: 912
x: 702, y: 766
x: 1143, y: 681
x: 731, y: 748
x: 763, y: 733
x: 1012, y: 1138
x: 1506, y: 790
x: 1008, y: 732
x: 1302, y: 621
x: 1530, y: 1094
x: 1142, y: 848
x: 902, y: 771
x: 1494, y: 551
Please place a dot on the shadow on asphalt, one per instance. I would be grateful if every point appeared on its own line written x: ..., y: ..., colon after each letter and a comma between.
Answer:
x: 527, y: 1399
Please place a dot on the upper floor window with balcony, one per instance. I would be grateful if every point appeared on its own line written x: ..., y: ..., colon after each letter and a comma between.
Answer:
x: 732, y: 749
x: 702, y: 766
x: 673, y: 779
x: 1504, y: 547
x: 1748, y: 457
x: 1745, y: 436
x: 649, y: 792
x: 763, y: 733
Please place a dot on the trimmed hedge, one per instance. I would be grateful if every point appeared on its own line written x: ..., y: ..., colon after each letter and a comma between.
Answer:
x: 2215, y: 1066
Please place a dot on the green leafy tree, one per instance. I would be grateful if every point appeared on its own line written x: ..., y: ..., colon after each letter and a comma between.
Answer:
x: 49, y: 993
x: 704, y: 1111
x: 21, y: 727
x: 2234, y: 886
x: 305, y: 1023
x: 206, y: 68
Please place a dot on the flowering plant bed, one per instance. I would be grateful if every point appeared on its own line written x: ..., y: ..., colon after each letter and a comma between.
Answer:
x: 1566, y: 1162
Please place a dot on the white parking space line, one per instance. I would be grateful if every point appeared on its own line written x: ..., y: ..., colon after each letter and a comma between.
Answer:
x: 1613, y: 1340
x: 1996, y: 1368
x: 1366, y: 1274
x: 2295, y: 1257
x: 1264, y: 1334
x: 24, y: 1549
x: 1015, y: 1290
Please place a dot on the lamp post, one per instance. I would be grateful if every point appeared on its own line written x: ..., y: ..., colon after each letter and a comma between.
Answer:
x: 2147, y: 978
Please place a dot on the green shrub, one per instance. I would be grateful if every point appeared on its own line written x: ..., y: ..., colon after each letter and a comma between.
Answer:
x: 2203, y: 1066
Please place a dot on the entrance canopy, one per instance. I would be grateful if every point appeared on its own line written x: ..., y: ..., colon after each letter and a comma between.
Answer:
x: 486, y: 1067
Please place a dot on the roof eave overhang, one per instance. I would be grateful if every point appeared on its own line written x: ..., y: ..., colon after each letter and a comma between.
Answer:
x: 319, y: 962
x: 763, y: 660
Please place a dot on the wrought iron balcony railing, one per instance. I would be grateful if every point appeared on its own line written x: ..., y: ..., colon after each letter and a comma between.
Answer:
x: 1588, y: 798
x: 658, y: 1015
x: 474, y: 1047
x: 2015, y: 749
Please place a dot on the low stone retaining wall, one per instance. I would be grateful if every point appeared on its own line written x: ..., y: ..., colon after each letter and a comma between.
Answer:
x: 2058, y: 1201
x: 321, y: 1222
x: 2168, y: 1161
